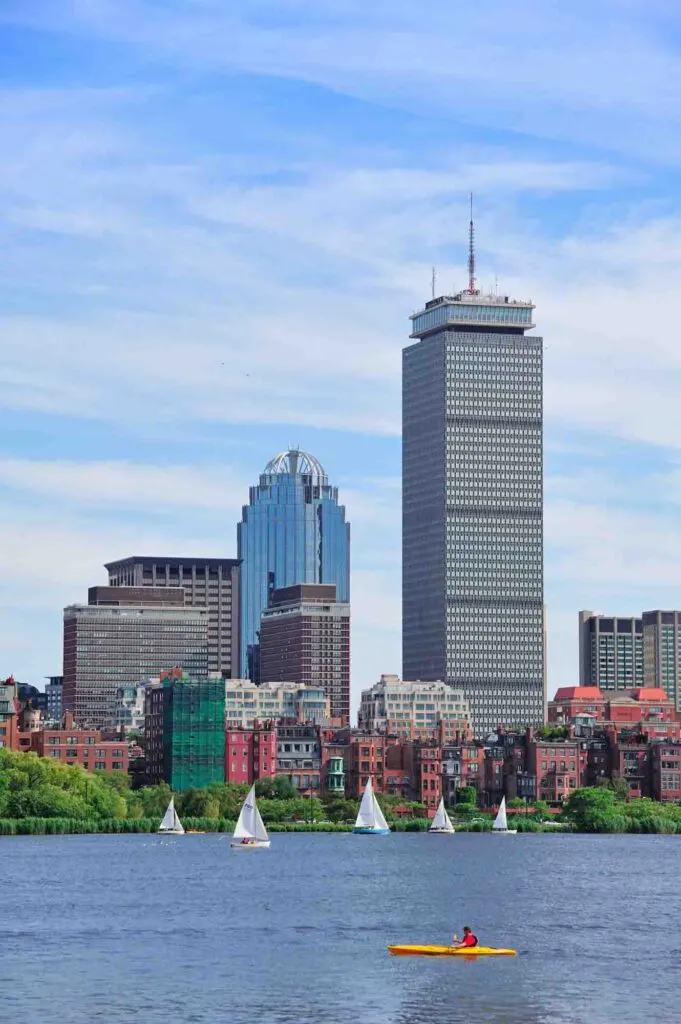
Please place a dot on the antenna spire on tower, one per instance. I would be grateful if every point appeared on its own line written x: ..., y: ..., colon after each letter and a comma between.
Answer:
x: 471, y: 253
x: 433, y: 282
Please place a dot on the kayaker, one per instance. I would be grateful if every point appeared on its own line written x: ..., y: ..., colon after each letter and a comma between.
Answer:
x: 468, y: 938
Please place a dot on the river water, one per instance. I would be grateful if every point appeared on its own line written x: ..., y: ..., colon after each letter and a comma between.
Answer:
x: 183, y: 930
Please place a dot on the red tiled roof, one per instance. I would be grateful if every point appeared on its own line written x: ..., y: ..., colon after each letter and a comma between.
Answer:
x: 653, y: 693
x: 579, y: 693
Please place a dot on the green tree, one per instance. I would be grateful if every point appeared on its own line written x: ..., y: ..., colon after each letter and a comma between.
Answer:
x: 594, y: 810
x: 467, y: 795
x: 553, y: 732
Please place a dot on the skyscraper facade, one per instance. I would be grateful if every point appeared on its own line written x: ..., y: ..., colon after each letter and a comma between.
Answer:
x: 106, y: 648
x: 473, y: 505
x: 305, y: 638
x: 662, y: 652
x: 610, y: 651
x: 293, y: 530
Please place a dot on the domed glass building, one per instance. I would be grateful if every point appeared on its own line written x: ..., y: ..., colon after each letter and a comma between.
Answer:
x: 293, y: 530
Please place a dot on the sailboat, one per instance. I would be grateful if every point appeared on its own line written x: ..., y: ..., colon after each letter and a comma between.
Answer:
x: 370, y: 820
x: 500, y: 826
x: 442, y: 823
x: 250, y: 832
x: 171, y: 824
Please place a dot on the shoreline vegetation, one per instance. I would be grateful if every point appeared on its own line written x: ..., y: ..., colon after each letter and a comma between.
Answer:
x: 41, y: 797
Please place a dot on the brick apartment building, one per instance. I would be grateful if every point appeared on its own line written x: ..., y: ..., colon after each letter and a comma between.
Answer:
x: 84, y: 747
x: 251, y: 754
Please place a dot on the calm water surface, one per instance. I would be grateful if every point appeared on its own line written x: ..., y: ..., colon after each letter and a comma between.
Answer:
x: 147, y: 929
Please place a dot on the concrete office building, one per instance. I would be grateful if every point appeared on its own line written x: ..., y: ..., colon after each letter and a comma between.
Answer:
x: 662, y: 652
x: 610, y: 651
x: 211, y: 583
x: 473, y: 504
x: 305, y: 637
x: 106, y: 648
x: 54, y: 689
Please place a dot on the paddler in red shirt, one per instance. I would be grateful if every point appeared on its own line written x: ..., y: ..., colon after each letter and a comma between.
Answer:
x: 468, y: 938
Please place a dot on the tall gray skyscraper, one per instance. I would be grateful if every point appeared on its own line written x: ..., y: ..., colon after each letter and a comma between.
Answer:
x: 473, y: 582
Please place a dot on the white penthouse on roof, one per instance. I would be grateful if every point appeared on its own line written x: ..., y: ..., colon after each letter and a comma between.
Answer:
x: 412, y: 708
x: 246, y: 701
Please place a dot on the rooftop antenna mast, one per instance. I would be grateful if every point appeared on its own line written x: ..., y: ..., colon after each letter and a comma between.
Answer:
x: 433, y: 280
x: 471, y: 253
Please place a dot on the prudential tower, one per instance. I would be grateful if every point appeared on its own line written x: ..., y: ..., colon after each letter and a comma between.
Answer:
x: 473, y: 585
x: 293, y: 530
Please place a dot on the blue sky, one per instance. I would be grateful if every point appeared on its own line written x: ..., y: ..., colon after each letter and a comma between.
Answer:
x: 215, y: 220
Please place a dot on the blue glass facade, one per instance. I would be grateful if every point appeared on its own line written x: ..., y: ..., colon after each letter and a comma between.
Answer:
x: 292, y: 531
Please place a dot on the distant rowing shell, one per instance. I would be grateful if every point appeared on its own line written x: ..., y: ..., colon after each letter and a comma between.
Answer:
x: 449, y: 951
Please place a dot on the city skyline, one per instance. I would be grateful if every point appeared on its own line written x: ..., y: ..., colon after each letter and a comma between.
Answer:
x: 211, y: 274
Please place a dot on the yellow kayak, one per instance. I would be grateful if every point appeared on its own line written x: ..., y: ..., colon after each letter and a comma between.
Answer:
x: 449, y: 951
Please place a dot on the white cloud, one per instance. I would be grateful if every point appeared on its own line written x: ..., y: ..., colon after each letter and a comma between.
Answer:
x: 126, y: 485
x: 526, y: 67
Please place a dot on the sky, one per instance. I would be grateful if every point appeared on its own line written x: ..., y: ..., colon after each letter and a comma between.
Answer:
x: 215, y: 220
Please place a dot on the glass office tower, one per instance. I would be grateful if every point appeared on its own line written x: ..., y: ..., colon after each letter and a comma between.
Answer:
x: 473, y: 506
x: 292, y: 531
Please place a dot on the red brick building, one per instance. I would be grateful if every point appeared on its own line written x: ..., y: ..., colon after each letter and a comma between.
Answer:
x: 85, y: 747
x: 8, y: 714
x: 630, y: 756
x: 557, y: 766
x: 581, y: 704
x: 665, y: 769
x: 251, y: 754
x: 428, y: 771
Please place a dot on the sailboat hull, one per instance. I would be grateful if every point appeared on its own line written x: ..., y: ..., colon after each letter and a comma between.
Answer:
x: 257, y: 844
x: 504, y: 831
x: 440, y: 831
x: 171, y: 832
x: 371, y: 831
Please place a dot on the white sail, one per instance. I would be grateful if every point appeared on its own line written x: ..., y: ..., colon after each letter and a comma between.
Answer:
x: 171, y: 822
x: 250, y: 825
x: 365, y: 815
x: 500, y: 822
x: 441, y: 822
x: 370, y: 814
x: 379, y: 818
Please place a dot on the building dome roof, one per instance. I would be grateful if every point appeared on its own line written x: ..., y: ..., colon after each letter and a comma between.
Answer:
x: 294, y: 462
